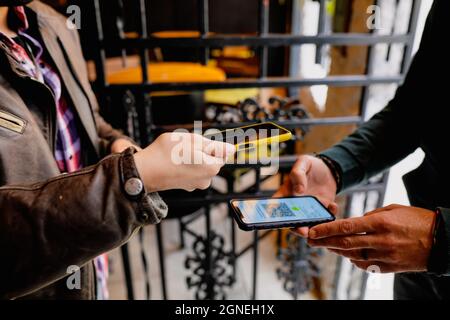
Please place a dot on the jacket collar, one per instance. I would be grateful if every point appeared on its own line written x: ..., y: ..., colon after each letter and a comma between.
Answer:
x: 21, y: 20
x: 18, y: 22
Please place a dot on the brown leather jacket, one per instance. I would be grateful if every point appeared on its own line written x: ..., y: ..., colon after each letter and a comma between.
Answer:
x: 50, y: 221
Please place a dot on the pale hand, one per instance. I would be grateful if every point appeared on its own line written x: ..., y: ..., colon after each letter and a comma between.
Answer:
x: 121, y: 145
x: 181, y: 161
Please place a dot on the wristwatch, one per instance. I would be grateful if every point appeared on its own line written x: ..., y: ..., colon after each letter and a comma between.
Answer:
x: 152, y: 209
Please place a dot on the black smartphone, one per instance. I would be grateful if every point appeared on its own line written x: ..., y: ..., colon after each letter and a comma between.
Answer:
x: 278, y: 213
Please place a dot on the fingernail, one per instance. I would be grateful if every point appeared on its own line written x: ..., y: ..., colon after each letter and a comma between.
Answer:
x: 303, y: 167
x: 312, y: 234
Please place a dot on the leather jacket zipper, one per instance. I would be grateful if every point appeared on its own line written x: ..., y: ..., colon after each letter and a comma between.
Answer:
x: 11, y: 122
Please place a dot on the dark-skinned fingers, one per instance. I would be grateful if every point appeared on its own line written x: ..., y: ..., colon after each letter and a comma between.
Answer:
x: 374, y: 266
x: 378, y: 210
x: 363, y: 254
x: 347, y: 243
x: 343, y: 227
x: 386, y: 208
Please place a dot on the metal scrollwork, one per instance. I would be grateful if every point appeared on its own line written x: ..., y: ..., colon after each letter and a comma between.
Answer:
x: 299, y: 265
x: 212, y: 272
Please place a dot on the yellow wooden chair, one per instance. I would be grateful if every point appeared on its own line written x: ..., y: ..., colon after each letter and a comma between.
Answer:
x: 166, y: 72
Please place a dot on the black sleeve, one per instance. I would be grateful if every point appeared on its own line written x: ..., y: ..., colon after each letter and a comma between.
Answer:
x: 393, y: 133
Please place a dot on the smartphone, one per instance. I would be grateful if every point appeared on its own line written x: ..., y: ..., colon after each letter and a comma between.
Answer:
x: 278, y: 213
x: 252, y: 136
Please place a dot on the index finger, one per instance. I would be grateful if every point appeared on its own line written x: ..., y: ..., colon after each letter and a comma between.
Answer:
x: 343, y: 227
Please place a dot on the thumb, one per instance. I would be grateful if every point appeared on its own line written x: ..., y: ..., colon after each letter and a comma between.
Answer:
x: 298, y: 176
x: 334, y: 208
x: 302, y: 232
x: 210, y: 160
x: 218, y: 149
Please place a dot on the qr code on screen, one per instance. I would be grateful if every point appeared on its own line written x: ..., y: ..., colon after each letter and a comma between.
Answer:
x: 278, y: 210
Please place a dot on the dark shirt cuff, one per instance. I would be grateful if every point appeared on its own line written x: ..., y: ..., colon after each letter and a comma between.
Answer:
x: 439, y: 261
x: 350, y: 170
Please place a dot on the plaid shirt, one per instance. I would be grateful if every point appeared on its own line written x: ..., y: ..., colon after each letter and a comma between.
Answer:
x: 68, y: 144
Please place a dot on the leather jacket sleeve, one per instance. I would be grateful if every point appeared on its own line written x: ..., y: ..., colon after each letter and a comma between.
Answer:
x: 65, y: 221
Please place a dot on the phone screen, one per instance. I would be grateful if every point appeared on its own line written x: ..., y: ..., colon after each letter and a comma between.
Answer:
x: 247, y: 134
x: 282, y: 210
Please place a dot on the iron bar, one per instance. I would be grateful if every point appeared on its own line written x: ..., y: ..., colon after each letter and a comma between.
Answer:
x: 336, y: 81
x: 412, y: 29
x: 263, y: 30
x: 204, y: 27
x: 288, y: 124
x: 101, y: 55
x: 222, y: 198
x: 255, y: 263
x: 268, y: 40
x: 321, y: 29
x: 127, y: 271
x: 162, y: 262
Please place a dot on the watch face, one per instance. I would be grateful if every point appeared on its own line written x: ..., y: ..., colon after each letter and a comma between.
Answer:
x: 134, y: 187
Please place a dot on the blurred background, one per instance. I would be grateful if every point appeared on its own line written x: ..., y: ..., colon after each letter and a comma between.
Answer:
x: 317, y: 67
